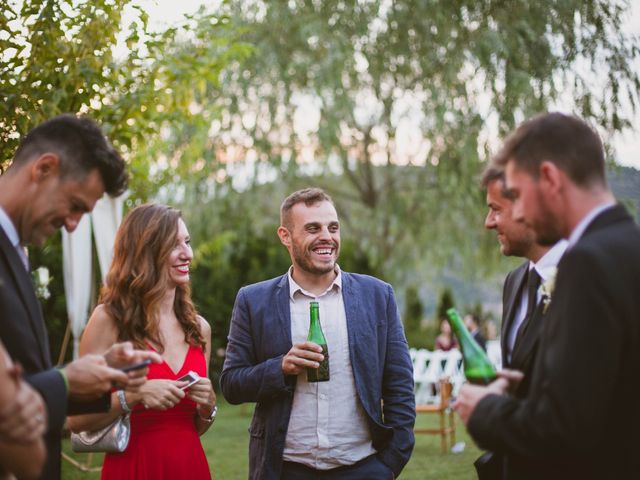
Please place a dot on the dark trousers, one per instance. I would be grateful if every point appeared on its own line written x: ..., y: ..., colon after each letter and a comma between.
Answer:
x: 370, y: 468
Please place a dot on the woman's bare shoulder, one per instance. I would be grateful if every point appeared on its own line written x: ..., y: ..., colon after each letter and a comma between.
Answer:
x: 100, y: 333
x: 205, y: 328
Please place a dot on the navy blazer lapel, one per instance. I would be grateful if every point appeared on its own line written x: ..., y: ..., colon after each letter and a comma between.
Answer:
x: 351, y: 304
x: 283, y: 317
x: 351, y: 300
x: 22, y: 280
x: 511, y: 307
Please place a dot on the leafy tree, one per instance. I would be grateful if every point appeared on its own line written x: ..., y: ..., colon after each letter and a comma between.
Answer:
x: 401, y: 98
x: 412, y: 318
x: 59, y: 56
x: 445, y: 302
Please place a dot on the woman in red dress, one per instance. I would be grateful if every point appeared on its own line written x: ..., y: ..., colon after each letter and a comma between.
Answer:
x: 147, y: 300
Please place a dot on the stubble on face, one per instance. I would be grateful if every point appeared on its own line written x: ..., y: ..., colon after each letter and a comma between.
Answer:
x: 531, y: 207
x: 301, y: 256
x: 546, y: 226
x: 515, y: 238
x: 60, y: 202
x: 314, y: 229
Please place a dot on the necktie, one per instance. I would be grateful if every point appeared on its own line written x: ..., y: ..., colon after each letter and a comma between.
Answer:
x: 532, y: 291
x: 533, y: 284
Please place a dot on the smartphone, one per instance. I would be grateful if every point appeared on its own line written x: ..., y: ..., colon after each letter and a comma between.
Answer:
x: 191, y: 377
x: 136, y: 366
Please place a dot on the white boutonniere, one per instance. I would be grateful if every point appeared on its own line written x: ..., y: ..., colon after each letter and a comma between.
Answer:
x: 547, y: 287
x: 41, y: 281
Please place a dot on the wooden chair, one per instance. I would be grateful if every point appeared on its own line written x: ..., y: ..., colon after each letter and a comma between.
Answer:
x: 443, y: 410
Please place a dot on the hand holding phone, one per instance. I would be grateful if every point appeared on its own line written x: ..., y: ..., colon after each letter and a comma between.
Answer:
x: 135, y: 366
x: 191, y: 378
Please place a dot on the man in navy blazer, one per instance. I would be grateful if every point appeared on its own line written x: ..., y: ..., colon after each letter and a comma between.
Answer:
x: 577, y: 419
x: 357, y: 425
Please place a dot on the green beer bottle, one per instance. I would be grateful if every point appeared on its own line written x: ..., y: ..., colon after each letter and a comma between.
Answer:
x: 320, y: 374
x: 477, y: 367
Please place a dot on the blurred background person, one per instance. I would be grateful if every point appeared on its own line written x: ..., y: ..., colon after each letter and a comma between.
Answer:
x: 445, y: 341
x: 472, y: 322
x: 147, y: 300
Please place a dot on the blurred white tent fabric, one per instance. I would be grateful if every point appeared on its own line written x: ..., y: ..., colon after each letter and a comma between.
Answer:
x: 77, y: 259
x: 106, y: 218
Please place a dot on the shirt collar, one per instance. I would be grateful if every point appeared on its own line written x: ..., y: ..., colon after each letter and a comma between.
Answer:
x: 294, y: 287
x: 549, y: 260
x: 9, y: 228
x: 587, y: 219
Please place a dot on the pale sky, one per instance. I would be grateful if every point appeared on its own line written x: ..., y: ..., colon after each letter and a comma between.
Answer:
x: 163, y: 13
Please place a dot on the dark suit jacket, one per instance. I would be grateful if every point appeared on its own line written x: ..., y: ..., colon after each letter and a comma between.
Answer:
x: 259, y: 337
x: 526, y: 345
x: 491, y: 466
x: 579, y: 419
x: 24, y: 335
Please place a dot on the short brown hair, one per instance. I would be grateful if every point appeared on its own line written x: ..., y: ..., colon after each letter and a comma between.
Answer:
x: 310, y: 196
x: 565, y: 140
x: 81, y: 147
x: 491, y: 174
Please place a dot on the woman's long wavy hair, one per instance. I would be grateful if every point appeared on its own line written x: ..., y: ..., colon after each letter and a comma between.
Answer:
x: 139, y: 274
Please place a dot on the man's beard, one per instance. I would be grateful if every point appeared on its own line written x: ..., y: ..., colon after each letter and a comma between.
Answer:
x: 304, y: 262
x: 546, y: 225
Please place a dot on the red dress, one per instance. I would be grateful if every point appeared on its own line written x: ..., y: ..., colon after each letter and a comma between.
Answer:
x: 164, y: 445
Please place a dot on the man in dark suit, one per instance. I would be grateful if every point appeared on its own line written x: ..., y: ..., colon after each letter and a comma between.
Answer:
x: 571, y: 424
x: 521, y: 304
x: 521, y: 319
x: 357, y: 425
x: 61, y: 168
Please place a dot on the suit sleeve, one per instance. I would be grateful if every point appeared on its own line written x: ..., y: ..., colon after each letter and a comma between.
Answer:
x: 244, y: 378
x: 399, y: 407
x: 574, y: 375
x: 51, y: 386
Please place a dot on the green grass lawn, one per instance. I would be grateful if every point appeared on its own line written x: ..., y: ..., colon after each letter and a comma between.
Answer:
x: 226, y: 445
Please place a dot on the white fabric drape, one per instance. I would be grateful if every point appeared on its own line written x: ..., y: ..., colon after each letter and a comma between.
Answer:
x: 76, y: 254
x: 106, y: 218
x: 77, y: 264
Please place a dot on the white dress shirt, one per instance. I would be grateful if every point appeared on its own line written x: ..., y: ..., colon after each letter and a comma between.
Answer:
x: 328, y: 426
x: 543, y: 267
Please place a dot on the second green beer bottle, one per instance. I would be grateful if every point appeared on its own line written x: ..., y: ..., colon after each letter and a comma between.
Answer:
x: 320, y: 374
x: 477, y: 367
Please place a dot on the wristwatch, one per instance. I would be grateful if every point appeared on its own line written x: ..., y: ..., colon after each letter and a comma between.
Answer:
x: 212, y: 416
